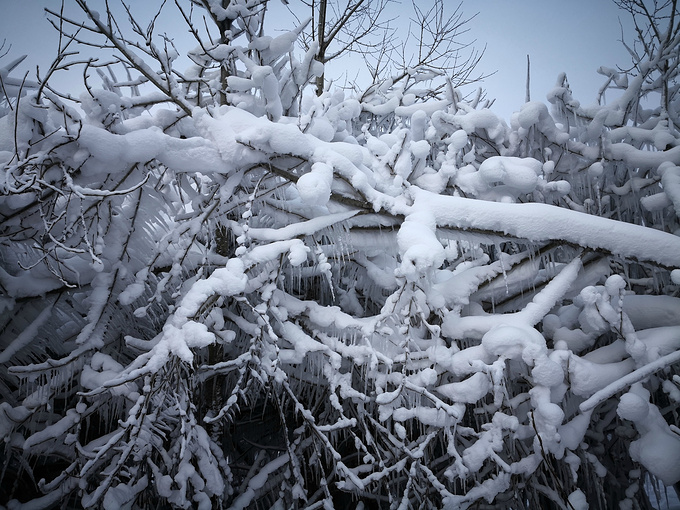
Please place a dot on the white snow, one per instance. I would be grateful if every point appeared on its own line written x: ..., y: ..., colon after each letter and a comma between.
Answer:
x: 577, y: 500
x: 467, y: 391
x: 315, y: 186
x: 632, y: 407
x: 658, y: 447
x: 541, y: 222
x: 519, y: 173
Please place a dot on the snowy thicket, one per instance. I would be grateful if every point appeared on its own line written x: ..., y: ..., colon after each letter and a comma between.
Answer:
x: 219, y: 290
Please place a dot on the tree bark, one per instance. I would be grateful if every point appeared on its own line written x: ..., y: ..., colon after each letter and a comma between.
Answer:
x: 321, y: 38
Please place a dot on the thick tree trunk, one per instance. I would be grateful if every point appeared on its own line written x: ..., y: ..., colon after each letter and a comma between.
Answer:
x: 321, y: 38
x: 225, y: 38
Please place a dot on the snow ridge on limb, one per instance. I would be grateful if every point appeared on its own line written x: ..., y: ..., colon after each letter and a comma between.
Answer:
x: 628, y: 380
x: 542, y: 222
x: 533, y: 313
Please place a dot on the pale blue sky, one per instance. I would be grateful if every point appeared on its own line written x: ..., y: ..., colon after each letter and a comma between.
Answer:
x: 575, y: 37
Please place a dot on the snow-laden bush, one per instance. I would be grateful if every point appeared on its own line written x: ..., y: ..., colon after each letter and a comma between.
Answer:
x: 220, y: 291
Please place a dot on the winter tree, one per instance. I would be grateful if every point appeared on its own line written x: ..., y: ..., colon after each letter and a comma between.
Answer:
x: 338, y: 28
x: 219, y: 290
x: 433, y: 42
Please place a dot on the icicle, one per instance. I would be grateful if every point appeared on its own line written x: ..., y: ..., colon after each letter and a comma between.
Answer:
x: 500, y: 253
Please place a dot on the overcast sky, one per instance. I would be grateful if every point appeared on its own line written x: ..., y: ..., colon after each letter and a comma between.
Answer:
x: 575, y: 36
